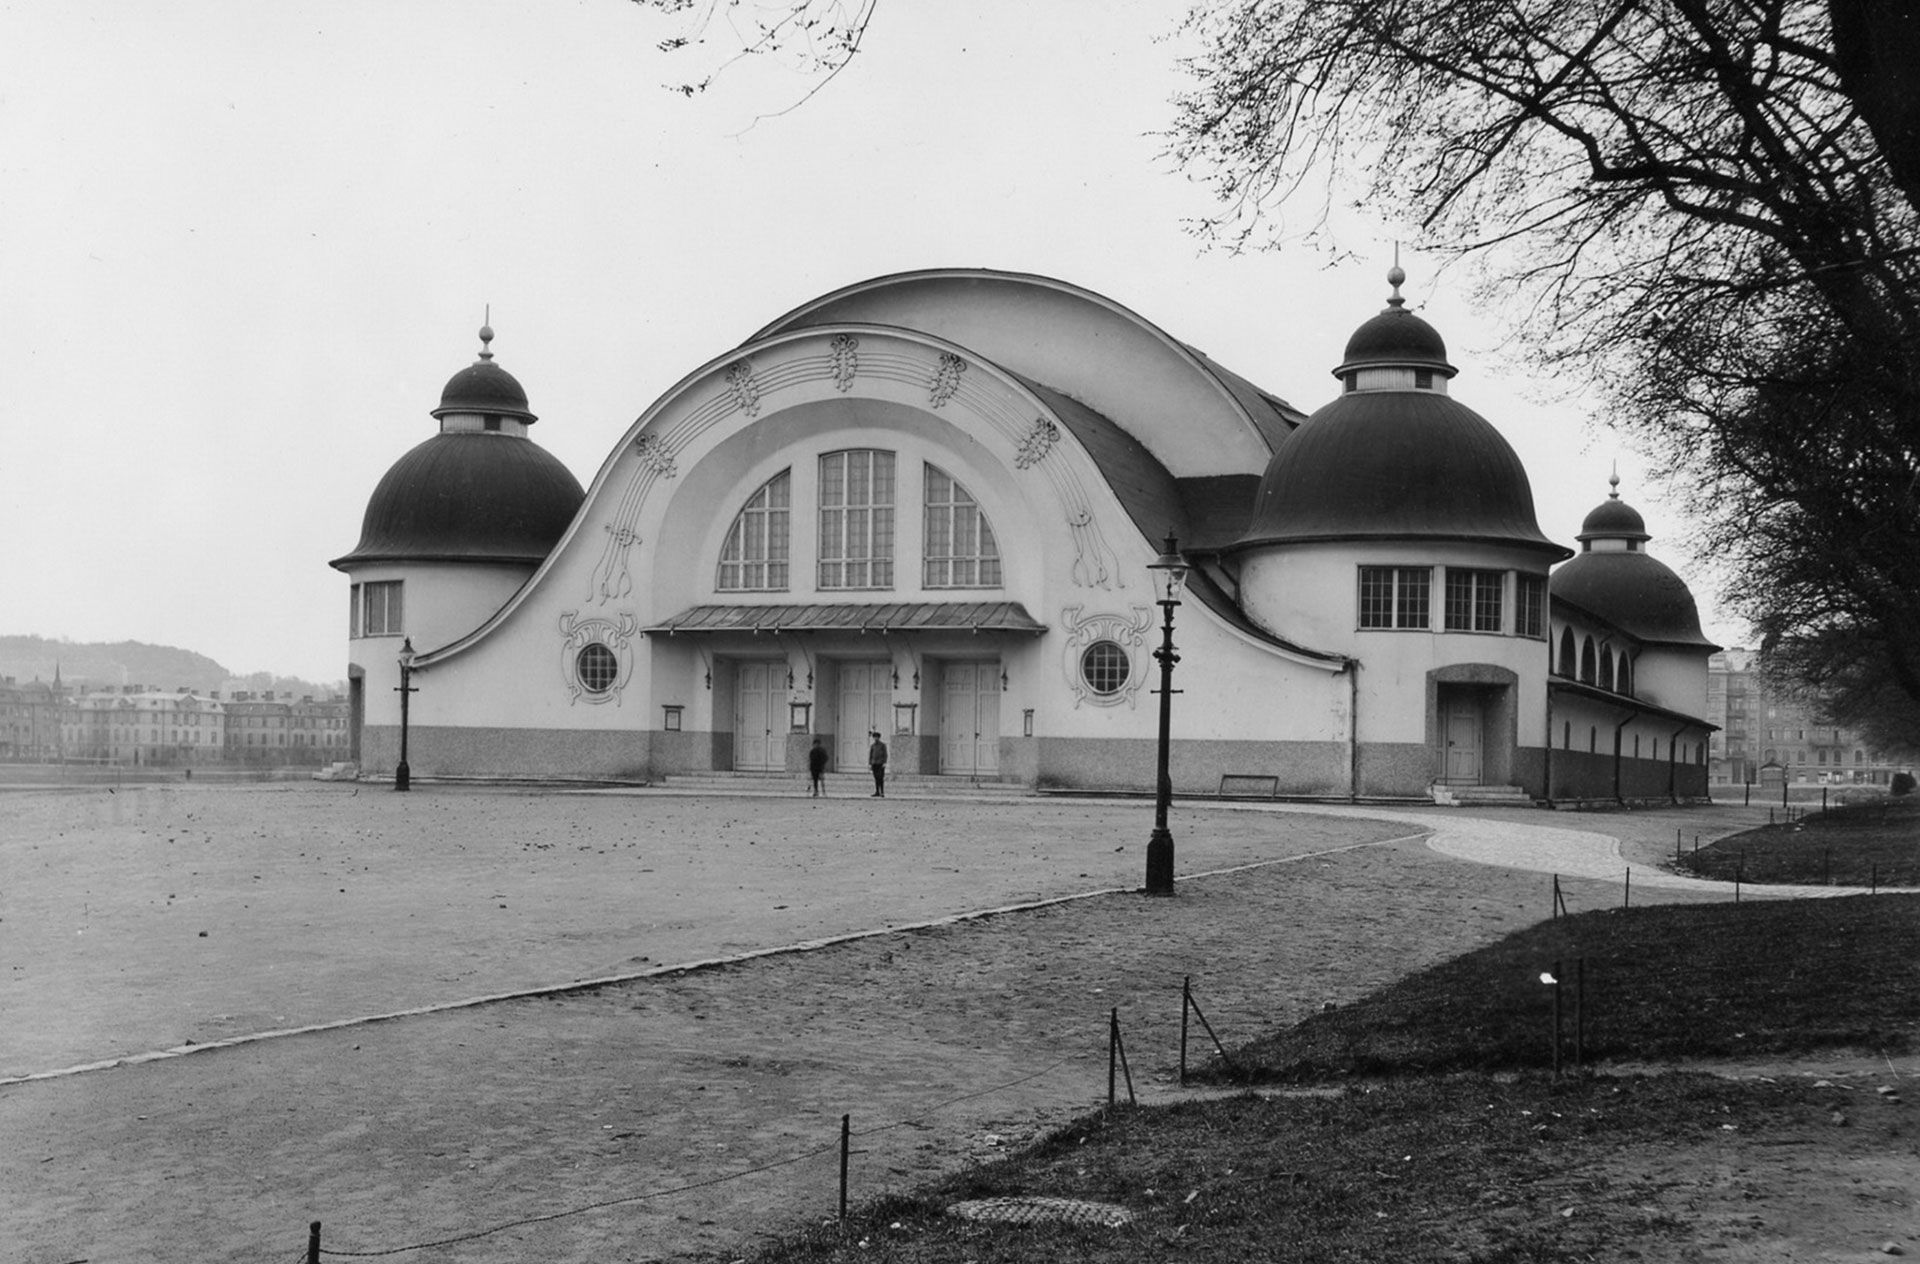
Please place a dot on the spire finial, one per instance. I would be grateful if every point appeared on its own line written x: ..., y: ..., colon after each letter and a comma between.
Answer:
x: 1395, y: 275
x: 1613, y: 481
x: 486, y: 334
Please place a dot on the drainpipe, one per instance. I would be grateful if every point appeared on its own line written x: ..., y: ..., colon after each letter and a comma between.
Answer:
x: 1353, y: 729
x: 1548, y: 788
x: 1619, y: 729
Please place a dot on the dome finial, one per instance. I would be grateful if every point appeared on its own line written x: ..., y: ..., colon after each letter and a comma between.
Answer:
x: 1613, y: 481
x: 486, y: 333
x: 1395, y: 275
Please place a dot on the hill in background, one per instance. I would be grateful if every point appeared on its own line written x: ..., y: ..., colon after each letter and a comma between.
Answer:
x: 104, y: 665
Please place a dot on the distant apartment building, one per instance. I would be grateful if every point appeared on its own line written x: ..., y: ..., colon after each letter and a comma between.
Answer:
x: 30, y: 714
x: 1767, y: 735
x: 268, y: 728
x: 140, y: 726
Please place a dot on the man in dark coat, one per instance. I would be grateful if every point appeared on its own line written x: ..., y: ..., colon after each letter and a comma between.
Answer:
x: 817, y: 768
x: 877, y: 760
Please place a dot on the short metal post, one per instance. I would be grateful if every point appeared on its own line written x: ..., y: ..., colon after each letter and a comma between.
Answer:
x: 313, y: 1243
x: 1556, y: 1020
x: 846, y: 1138
x: 1186, y: 1003
x: 1580, y: 1013
x: 1113, y: 1052
x: 1626, y: 898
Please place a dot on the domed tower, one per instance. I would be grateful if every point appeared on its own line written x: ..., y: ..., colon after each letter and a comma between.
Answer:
x: 1396, y: 526
x: 1616, y: 582
x: 459, y: 522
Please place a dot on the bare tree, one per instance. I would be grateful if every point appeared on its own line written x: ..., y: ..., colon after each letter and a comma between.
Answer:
x: 1681, y: 198
x: 818, y: 37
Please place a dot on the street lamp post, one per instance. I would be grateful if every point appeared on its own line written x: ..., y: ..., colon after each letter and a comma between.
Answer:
x: 402, y: 774
x: 1170, y: 571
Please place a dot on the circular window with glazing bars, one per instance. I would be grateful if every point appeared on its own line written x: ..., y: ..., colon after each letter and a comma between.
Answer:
x: 1105, y: 667
x: 598, y: 668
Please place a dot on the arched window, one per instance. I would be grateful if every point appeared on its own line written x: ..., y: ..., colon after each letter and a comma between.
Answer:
x: 1587, y: 662
x: 1566, y: 653
x: 754, y: 557
x: 1623, y: 675
x: 960, y: 551
x: 1606, y: 668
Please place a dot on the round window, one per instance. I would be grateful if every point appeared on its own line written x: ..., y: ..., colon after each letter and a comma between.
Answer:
x: 598, y: 668
x: 1105, y: 667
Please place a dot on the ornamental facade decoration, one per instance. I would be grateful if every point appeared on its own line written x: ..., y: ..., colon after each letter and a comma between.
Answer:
x: 655, y: 455
x: 946, y: 378
x: 1037, y: 442
x: 596, y: 656
x: 612, y: 576
x: 1105, y: 656
x: 1094, y: 564
x: 744, y: 391
x: 845, y: 352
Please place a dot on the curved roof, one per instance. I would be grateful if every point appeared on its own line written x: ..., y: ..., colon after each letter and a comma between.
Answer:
x: 484, y: 387
x: 1194, y: 416
x: 1396, y: 465
x: 1613, y: 519
x: 468, y: 496
x: 1636, y: 593
x: 1396, y: 337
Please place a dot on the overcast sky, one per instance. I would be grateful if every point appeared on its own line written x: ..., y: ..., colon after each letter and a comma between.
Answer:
x: 244, y: 245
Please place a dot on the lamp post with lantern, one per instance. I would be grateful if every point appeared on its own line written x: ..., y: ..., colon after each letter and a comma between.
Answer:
x: 1170, y: 575
x: 402, y: 774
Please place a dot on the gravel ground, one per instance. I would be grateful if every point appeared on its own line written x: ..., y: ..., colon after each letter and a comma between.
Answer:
x: 942, y: 1044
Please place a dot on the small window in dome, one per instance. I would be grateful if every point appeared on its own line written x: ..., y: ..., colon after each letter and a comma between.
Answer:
x: 493, y: 421
x: 1423, y: 378
x: 1353, y: 382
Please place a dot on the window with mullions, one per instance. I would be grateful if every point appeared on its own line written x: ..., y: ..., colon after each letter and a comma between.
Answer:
x: 1473, y: 600
x: 754, y: 557
x: 960, y: 549
x: 856, y: 519
x: 377, y: 608
x: 1396, y: 597
x: 1530, y: 605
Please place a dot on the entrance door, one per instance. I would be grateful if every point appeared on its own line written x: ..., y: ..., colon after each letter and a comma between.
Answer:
x: 866, y: 699
x: 759, y: 725
x: 970, y: 718
x: 1460, y: 727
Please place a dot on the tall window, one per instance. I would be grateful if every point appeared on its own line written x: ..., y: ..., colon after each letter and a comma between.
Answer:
x: 755, y: 555
x: 1473, y: 600
x: 1530, y: 605
x: 960, y: 549
x: 1396, y: 597
x: 856, y: 519
x: 377, y: 608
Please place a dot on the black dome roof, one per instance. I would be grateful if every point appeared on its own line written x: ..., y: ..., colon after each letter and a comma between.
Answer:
x: 469, y: 497
x: 1636, y: 593
x: 1614, y: 519
x: 1396, y: 337
x: 484, y: 387
x: 1396, y: 465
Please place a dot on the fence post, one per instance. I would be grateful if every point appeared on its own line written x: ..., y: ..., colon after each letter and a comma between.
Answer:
x: 1556, y: 1020
x: 313, y: 1243
x: 1626, y: 896
x: 846, y: 1137
x: 1580, y: 1014
x: 1186, y: 1003
x: 1113, y: 1052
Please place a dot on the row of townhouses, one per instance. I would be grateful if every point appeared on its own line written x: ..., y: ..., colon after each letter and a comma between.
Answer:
x: 1768, y: 735
x: 137, y: 725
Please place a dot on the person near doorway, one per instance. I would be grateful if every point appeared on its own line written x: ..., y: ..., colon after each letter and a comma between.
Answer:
x: 817, y: 768
x: 877, y: 760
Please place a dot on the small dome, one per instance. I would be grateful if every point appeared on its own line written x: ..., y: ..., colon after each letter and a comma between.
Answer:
x: 1635, y: 593
x: 483, y: 388
x: 468, y: 497
x: 1396, y: 465
x: 1613, y: 519
x: 1396, y: 337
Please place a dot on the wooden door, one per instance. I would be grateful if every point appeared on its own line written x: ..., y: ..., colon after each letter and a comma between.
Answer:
x: 759, y: 729
x: 970, y: 718
x: 865, y: 706
x: 1462, y: 727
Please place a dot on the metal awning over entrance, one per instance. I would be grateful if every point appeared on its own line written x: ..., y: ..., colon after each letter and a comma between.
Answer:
x: 922, y: 616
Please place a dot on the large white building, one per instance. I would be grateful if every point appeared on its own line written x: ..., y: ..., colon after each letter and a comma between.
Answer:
x: 925, y: 504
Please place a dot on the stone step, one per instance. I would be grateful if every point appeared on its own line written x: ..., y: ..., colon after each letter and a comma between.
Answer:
x: 1481, y: 796
x: 839, y: 784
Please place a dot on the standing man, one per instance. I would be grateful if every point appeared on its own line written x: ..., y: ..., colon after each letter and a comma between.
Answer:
x: 817, y: 768
x: 877, y: 760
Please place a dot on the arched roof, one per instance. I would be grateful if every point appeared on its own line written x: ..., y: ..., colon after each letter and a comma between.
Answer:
x: 484, y: 387
x: 1194, y: 416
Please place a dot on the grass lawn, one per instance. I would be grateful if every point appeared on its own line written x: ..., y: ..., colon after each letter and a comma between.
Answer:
x: 1860, y: 844
x: 1437, y: 1130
